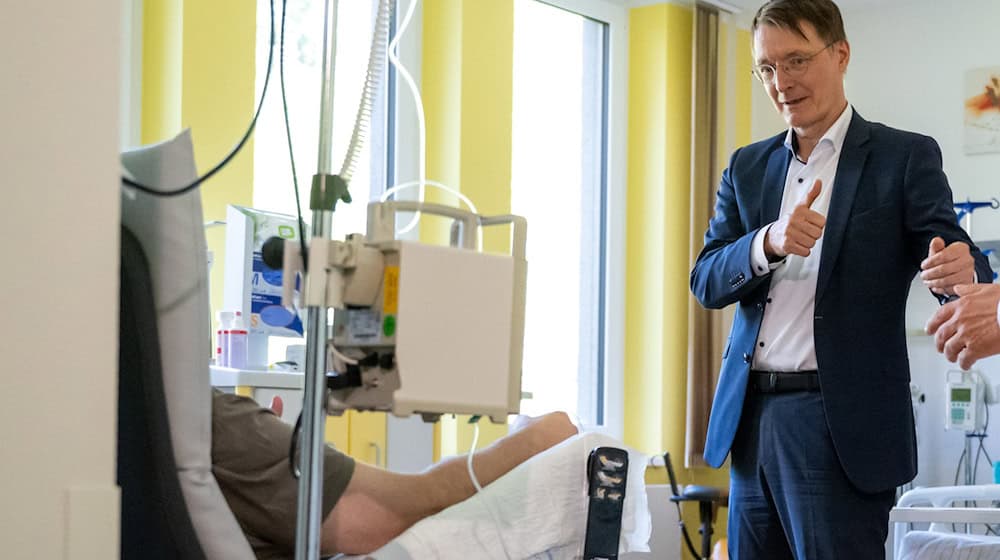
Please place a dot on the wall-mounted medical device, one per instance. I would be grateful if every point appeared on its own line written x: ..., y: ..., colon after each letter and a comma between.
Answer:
x: 251, y: 287
x: 417, y: 328
x: 966, y: 397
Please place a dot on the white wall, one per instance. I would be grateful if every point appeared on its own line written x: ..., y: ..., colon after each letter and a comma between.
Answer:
x: 908, y: 61
x: 59, y: 220
x: 907, y: 70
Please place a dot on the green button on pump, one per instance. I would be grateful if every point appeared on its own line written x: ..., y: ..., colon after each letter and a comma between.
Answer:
x: 389, y: 325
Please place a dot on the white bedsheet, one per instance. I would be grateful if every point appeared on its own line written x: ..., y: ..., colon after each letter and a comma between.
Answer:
x: 536, y: 511
x: 926, y: 545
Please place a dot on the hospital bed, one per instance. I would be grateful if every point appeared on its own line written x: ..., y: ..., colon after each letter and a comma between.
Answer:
x: 944, y: 509
x: 172, y: 506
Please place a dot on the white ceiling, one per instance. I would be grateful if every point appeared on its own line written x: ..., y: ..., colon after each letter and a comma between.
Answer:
x: 749, y: 7
x: 845, y: 5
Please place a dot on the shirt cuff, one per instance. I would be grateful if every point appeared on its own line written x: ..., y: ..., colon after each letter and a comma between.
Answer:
x: 758, y: 258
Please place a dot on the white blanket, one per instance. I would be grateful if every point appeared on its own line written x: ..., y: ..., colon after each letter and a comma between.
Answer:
x: 925, y: 545
x: 536, y: 511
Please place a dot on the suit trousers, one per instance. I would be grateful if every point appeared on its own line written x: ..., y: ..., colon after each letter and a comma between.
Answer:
x: 789, y: 496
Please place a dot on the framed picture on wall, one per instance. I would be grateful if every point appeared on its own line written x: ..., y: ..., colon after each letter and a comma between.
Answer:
x: 982, y: 110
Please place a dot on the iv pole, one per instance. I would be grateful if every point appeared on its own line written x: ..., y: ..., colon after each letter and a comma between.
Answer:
x: 965, y: 210
x: 327, y: 189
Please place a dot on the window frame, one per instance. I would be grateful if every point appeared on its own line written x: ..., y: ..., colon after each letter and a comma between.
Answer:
x: 612, y: 311
x: 403, y: 163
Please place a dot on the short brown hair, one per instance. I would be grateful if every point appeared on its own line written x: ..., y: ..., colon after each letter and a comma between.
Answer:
x: 824, y: 15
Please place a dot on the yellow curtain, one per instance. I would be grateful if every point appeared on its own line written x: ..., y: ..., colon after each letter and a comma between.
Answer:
x: 664, y: 213
x: 659, y: 164
x: 704, y: 344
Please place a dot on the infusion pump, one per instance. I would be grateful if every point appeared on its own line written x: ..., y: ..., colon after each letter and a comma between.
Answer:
x: 966, y: 397
x: 419, y: 328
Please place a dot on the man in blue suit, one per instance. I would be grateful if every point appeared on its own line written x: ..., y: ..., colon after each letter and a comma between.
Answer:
x: 816, y: 237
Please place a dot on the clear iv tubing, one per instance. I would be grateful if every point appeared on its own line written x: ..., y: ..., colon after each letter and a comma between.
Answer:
x: 428, y: 183
x: 337, y: 354
x: 472, y: 473
x: 479, y: 488
x: 419, y: 107
x: 410, y: 184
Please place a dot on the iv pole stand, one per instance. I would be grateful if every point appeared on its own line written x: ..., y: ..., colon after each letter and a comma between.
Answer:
x: 323, y: 198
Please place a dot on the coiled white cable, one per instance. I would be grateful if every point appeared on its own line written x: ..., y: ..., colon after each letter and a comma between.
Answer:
x: 376, y: 63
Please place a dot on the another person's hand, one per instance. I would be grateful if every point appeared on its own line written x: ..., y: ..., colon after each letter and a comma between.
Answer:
x: 546, y: 430
x: 966, y: 330
x: 796, y: 233
x: 946, y: 267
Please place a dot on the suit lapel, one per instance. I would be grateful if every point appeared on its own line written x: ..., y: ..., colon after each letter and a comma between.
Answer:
x: 852, y: 160
x: 774, y: 184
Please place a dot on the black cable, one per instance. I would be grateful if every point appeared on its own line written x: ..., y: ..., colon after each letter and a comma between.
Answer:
x: 292, y: 462
x: 986, y: 405
x: 979, y: 451
x: 990, y: 529
x: 293, y: 446
x: 981, y: 435
x: 288, y: 137
x: 235, y: 150
x: 986, y: 432
x: 684, y: 531
x: 958, y: 469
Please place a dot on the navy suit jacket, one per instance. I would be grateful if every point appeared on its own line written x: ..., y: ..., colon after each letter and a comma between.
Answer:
x: 890, y: 198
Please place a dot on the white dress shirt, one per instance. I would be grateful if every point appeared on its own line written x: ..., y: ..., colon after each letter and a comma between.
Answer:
x: 785, y: 342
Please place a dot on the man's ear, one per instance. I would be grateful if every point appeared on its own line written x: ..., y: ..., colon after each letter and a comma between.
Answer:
x: 843, y: 52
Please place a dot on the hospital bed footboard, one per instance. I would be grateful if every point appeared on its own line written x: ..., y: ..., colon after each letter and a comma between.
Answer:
x: 944, y: 509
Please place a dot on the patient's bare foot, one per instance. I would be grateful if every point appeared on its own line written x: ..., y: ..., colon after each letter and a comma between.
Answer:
x: 546, y: 430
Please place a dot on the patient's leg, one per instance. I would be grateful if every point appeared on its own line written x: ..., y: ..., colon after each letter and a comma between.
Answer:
x: 379, y: 505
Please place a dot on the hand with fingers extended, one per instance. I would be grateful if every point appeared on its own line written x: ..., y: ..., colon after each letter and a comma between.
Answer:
x: 796, y: 233
x: 966, y: 329
x: 946, y: 267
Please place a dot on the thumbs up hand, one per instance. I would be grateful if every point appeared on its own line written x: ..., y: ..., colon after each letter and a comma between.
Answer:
x: 796, y: 233
x: 947, y: 266
x: 277, y: 405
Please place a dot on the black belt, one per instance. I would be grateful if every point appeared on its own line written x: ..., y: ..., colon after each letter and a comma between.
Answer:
x: 784, y: 381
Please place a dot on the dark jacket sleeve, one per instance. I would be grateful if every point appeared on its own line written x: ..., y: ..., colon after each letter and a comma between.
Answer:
x: 722, y: 274
x: 930, y: 210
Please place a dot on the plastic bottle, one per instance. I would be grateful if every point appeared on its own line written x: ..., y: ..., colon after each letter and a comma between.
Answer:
x: 225, y: 319
x: 237, y: 342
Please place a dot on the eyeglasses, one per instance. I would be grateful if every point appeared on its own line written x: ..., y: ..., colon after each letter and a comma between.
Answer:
x: 793, y: 66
